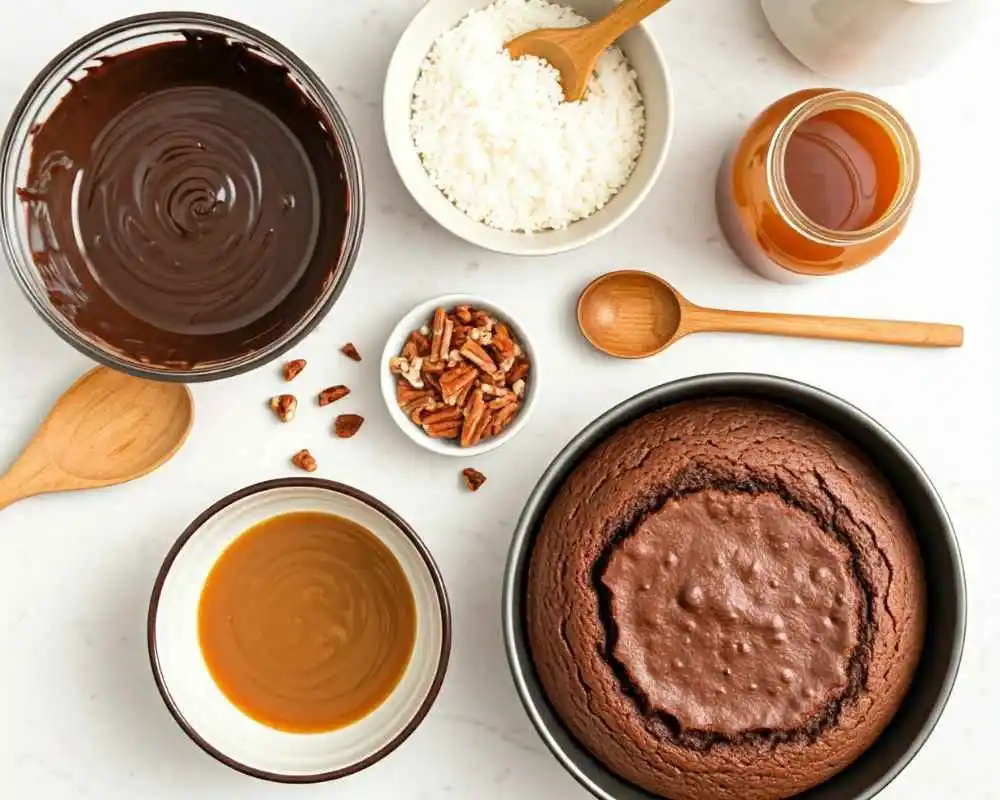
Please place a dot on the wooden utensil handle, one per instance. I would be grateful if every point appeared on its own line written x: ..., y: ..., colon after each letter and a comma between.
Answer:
x: 8, y: 493
x: 915, y: 334
x: 628, y: 14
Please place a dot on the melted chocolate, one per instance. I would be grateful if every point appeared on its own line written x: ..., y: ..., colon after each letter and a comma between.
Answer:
x: 187, y: 202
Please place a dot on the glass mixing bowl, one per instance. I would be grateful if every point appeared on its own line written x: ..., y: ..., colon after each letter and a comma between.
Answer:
x: 44, y: 94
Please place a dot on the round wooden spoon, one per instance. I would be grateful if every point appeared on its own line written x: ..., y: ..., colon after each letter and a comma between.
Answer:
x: 574, y: 51
x: 633, y: 314
x: 108, y: 428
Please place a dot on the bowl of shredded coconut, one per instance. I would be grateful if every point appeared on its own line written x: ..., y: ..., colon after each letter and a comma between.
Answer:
x: 489, y: 148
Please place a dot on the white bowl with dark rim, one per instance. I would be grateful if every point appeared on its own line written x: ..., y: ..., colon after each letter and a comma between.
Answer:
x: 423, y: 314
x: 945, y: 580
x: 203, y: 711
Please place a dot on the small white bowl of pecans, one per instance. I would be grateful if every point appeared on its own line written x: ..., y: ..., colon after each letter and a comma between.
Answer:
x: 459, y: 376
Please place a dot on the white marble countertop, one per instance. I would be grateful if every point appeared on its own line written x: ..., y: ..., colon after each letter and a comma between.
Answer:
x: 79, y: 714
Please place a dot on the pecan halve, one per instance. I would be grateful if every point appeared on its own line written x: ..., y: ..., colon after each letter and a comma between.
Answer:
x: 346, y: 425
x: 304, y: 460
x: 284, y: 406
x: 351, y: 351
x: 333, y: 394
x: 473, y: 478
x: 294, y: 368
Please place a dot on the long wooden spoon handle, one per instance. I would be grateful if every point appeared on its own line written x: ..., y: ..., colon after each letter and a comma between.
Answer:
x: 627, y: 15
x: 915, y: 334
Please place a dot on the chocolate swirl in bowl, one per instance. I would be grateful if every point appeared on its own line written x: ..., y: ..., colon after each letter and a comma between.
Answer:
x: 187, y: 202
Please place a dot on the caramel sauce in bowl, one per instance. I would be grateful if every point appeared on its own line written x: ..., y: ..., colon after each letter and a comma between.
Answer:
x: 299, y: 630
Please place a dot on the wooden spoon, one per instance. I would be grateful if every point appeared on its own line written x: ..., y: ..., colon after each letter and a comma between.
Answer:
x: 574, y: 51
x: 108, y: 428
x: 632, y: 314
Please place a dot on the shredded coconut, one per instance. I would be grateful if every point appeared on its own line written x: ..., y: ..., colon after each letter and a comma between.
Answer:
x: 496, y: 137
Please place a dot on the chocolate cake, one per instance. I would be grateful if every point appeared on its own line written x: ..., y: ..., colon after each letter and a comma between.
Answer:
x: 725, y: 601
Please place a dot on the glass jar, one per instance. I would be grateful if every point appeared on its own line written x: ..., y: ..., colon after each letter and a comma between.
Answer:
x: 767, y: 183
x: 20, y: 239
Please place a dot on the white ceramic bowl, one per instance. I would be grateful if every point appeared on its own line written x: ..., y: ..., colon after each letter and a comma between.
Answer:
x: 202, y: 710
x: 639, y: 47
x: 421, y: 315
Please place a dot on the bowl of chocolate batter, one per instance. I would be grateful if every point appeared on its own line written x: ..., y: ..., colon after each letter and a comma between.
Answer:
x: 182, y: 196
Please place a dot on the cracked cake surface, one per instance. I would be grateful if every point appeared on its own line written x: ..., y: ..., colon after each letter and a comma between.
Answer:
x: 725, y: 600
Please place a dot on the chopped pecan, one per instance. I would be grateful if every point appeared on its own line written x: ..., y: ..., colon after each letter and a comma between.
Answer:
x: 443, y: 430
x: 459, y: 336
x: 474, y: 352
x: 410, y: 370
x: 463, y: 314
x: 475, y: 411
x: 455, y: 381
x: 305, y: 461
x: 333, y: 394
x: 483, y: 320
x: 437, y: 332
x: 518, y: 387
x: 518, y: 372
x: 503, y: 416
x: 421, y: 343
x: 284, y: 406
x: 473, y: 478
x: 346, y: 425
x: 443, y: 415
x: 503, y: 344
x: 407, y: 394
x: 294, y: 368
x: 445, y: 423
x: 505, y: 399
x: 410, y: 351
x: 351, y: 352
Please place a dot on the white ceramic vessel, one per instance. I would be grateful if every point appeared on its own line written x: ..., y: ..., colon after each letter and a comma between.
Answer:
x: 204, y: 712
x: 421, y: 315
x: 646, y: 59
x: 875, y: 42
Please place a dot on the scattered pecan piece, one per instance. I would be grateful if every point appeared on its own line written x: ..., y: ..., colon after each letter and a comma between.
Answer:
x: 461, y: 376
x: 304, y: 460
x: 351, y: 351
x: 473, y: 478
x: 294, y: 368
x: 284, y: 406
x: 333, y: 394
x: 346, y: 425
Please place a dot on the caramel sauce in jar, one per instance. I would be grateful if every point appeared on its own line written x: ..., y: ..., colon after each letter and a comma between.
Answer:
x: 307, y: 622
x: 821, y: 183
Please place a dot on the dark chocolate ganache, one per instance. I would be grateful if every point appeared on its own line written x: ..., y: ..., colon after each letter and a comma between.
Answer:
x: 187, y: 202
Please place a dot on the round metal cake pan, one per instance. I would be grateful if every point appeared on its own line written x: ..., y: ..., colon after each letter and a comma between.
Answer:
x: 946, y: 620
